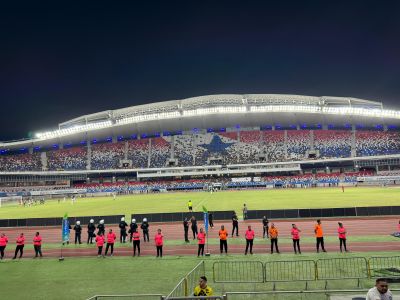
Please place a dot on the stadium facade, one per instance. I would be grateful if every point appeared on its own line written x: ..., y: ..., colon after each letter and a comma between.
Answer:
x: 233, y: 135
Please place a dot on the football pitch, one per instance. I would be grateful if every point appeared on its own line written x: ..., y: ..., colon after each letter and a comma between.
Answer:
x: 224, y: 200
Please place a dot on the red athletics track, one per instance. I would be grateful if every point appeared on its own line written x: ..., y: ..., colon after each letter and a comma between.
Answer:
x: 174, y: 231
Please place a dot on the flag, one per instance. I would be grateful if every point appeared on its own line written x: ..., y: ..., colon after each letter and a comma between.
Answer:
x: 205, y: 218
x: 65, y: 229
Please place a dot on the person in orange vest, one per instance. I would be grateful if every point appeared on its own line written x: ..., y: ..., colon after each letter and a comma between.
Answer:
x: 3, y: 244
x: 159, y: 241
x: 273, y: 235
x: 223, y: 236
x: 20, y: 246
x: 110, y: 242
x: 342, y: 236
x: 37, y: 244
x: 201, y: 236
x: 136, y: 241
x: 319, y: 234
x: 99, y: 243
x: 249, y: 239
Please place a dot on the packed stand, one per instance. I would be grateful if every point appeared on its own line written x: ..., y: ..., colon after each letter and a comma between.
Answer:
x: 67, y: 159
x: 369, y: 143
x: 298, y: 143
x: 138, y: 152
x: 107, y: 156
x: 333, y: 143
x: 160, y: 152
x: 273, y: 145
x: 183, y: 150
x: 20, y: 162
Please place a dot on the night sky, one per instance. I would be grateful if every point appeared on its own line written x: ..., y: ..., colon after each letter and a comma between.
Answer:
x: 59, y: 61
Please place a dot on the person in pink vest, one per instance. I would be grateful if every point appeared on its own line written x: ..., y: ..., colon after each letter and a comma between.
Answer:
x: 201, y: 237
x: 110, y: 241
x: 159, y: 240
x: 249, y: 239
x: 136, y: 241
x: 3, y: 244
x: 99, y: 243
x: 342, y: 237
x: 295, y: 232
x: 37, y: 244
x: 20, y: 246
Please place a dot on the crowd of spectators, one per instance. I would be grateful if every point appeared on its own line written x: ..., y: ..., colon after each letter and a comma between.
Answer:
x: 160, y: 152
x: 138, y: 152
x: 20, y: 162
x: 107, y: 156
x: 333, y: 143
x: 211, y: 148
x: 183, y: 150
x: 67, y: 159
x: 369, y: 143
x: 298, y: 143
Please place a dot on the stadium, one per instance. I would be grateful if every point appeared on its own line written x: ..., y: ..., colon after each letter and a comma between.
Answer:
x: 290, y: 158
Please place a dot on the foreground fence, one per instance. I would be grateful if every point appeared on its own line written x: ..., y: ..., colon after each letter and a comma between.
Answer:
x: 306, y: 270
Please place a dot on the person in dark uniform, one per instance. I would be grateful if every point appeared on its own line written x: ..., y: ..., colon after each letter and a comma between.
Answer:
x: 211, y: 219
x: 132, y: 227
x: 194, y: 226
x: 244, y: 212
x: 265, y: 223
x: 91, y: 229
x: 122, y: 228
x: 78, y: 232
x: 186, y: 229
x: 101, y: 228
x: 235, y: 224
x: 145, y: 228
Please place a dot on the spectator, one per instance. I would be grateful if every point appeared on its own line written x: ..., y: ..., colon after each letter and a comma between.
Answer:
x: 380, y: 291
x: 203, y: 289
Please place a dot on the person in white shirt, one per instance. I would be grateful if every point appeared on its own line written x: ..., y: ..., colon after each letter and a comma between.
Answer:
x: 380, y: 291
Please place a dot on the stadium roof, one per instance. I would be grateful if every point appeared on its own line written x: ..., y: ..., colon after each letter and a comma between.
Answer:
x: 216, y: 111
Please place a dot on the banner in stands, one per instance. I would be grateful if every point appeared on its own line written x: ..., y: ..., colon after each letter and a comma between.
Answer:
x: 241, y: 179
x: 379, y: 178
x: 58, y: 192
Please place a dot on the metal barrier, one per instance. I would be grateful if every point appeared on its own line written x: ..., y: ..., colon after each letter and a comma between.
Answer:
x: 342, y: 268
x: 285, y: 271
x: 187, y: 284
x: 238, y: 272
x: 386, y: 267
x: 135, y: 297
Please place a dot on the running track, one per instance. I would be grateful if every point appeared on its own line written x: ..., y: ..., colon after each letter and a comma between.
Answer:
x: 174, y: 231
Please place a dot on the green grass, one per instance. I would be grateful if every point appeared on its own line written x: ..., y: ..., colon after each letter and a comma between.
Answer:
x: 227, y: 200
x: 80, y: 278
